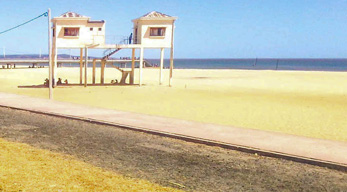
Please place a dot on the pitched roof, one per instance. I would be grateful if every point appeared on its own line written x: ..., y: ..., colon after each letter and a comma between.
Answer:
x: 71, y: 15
x: 154, y: 15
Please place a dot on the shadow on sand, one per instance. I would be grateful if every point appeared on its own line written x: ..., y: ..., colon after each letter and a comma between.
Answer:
x: 76, y: 85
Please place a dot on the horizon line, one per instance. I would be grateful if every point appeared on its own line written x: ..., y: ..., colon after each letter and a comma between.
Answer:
x: 1, y: 56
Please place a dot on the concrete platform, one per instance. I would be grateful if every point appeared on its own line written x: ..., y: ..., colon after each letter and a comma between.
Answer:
x: 321, y: 152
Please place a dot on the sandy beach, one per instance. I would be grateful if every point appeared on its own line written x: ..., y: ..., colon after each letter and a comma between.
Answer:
x: 312, y: 104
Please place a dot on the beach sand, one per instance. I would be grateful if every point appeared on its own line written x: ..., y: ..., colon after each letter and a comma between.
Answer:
x: 307, y: 103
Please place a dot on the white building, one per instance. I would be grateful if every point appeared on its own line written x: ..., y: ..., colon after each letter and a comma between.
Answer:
x: 153, y: 30
x: 72, y: 30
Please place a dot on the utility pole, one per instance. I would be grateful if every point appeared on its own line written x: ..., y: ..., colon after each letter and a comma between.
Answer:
x: 40, y: 53
x: 50, y: 83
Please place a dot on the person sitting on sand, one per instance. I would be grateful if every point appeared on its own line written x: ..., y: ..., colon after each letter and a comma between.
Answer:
x: 46, y: 82
x: 114, y: 81
x: 59, y: 81
x: 66, y: 82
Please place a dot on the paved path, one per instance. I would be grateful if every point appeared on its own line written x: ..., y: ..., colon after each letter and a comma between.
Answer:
x: 318, y: 151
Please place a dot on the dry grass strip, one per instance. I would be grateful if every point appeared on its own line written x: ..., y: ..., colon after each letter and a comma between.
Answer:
x: 24, y: 168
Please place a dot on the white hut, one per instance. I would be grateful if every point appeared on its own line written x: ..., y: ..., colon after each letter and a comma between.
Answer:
x: 153, y: 30
x: 72, y: 30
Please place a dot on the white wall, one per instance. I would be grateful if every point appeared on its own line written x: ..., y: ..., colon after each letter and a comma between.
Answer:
x: 146, y: 40
x: 86, y: 37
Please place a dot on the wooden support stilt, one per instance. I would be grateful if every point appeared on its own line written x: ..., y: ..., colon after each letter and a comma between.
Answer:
x: 132, y: 74
x: 171, y: 67
x: 94, y: 66
x: 81, y: 65
x: 172, y: 53
x: 141, y: 66
x: 103, y: 63
x: 161, y: 66
x: 85, y: 66
x: 55, y: 67
x: 124, y: 77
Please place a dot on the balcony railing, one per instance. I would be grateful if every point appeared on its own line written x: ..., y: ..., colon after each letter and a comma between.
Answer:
x: 119, y: 40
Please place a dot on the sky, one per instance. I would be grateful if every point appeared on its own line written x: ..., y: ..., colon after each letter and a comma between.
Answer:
x: 204, y: 29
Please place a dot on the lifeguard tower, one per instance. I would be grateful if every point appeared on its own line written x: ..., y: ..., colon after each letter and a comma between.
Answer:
x: 153, y: 30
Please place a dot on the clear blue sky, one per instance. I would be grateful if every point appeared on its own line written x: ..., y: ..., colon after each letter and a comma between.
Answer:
x: 205, y: 28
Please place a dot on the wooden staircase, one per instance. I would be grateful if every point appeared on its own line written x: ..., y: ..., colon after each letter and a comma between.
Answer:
x: 107, y: 54
x: 111, y: 52
x: 125, y: 74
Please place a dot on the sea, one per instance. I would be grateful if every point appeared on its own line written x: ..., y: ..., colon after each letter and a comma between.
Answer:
x: 259, y: 64
x: 247, y: 64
